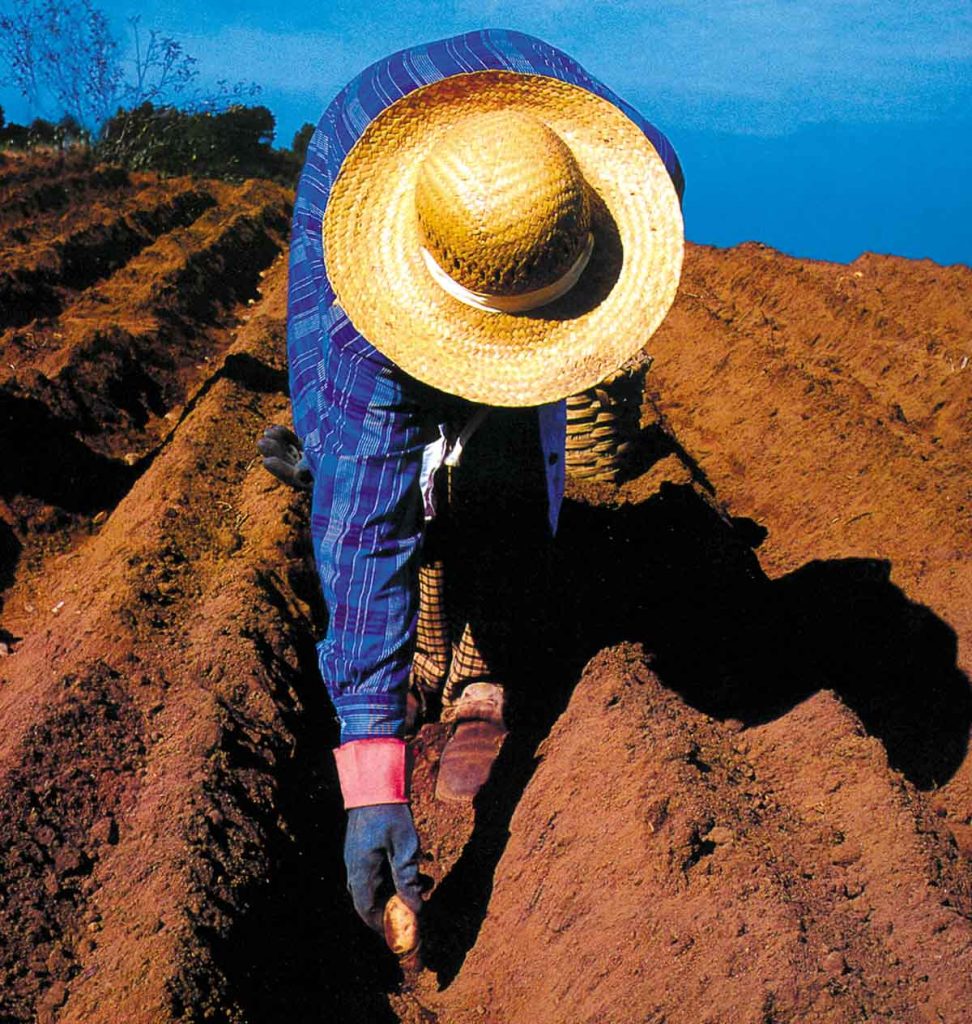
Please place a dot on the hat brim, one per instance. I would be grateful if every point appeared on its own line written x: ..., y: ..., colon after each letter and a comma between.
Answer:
x: 372, y: 248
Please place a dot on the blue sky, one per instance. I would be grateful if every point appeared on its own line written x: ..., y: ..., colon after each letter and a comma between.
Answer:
x: 822, y: 127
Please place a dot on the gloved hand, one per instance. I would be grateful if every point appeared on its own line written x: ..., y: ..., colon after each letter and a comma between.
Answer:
x: 283, y: 456
x: 378, y: 835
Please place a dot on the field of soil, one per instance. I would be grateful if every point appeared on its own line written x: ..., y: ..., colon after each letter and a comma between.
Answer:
x: 737, y: 789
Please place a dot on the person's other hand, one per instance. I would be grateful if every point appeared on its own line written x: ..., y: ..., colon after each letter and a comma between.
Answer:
x: 380, y: 835
x: 283, y: 456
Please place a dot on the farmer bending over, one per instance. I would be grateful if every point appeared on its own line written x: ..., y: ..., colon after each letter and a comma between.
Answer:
x: 481, y: 229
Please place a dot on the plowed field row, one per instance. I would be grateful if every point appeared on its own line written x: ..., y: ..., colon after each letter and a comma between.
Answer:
x: 749, y: 885
x: 46, y: 272
x: 137, y: 780
x: 23, y: 196
x: 17, y: 167
x: 98, y: 388
x: 836, y: 325
x: 31, y: 231
x: 162, y: 836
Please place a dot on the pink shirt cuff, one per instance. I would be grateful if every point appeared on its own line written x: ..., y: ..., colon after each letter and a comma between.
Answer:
x: 372, y: 772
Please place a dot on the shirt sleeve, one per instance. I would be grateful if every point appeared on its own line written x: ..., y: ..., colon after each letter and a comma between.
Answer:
x: 363, y: 439
x: 308, y: 297
x: 366, y: 526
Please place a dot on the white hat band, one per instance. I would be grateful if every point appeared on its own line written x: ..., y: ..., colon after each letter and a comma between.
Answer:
x: 511, y: 303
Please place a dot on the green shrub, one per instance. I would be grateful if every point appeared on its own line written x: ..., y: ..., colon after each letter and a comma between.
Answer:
x: 235, y: 143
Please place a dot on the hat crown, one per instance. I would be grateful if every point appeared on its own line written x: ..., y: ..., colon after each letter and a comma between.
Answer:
x: 502, y: 204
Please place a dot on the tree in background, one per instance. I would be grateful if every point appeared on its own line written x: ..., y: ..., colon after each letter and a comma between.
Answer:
x: 41, y: 132
x: 234, y: 143
x: 19, y: 48
x: 142, y: 112
x: 161, y: 67
x: 61, y: 56
x: 301, y: 141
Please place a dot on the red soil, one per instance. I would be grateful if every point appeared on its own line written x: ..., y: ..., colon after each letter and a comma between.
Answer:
x: 781, y: 873
x: 754, y: 805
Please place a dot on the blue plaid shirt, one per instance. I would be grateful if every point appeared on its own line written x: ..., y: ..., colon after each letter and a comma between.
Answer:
x: 362, y: 421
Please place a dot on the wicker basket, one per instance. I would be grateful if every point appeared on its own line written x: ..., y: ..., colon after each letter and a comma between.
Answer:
x: 603, y: 425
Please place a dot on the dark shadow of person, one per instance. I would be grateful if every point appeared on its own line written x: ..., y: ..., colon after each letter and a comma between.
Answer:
x: 889, y: 658
x: 675, y: 575
x: 678, y: 577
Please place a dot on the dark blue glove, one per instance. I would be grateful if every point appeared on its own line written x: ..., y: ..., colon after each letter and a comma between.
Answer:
x: 283, y: 456
x: 379, y: 840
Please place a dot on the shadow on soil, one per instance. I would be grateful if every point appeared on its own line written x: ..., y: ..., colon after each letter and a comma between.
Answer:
x: 300, y: 954
x: 44, y: 460
x: 670, y: 573
x: 673, y: 574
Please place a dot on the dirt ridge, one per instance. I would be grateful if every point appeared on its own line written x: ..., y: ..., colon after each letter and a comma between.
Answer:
x: 41, y: 186
x: 90, y: 251
x: 819, y: 925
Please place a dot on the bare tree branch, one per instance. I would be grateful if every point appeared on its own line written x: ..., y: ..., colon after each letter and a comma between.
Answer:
x: 62, y: 55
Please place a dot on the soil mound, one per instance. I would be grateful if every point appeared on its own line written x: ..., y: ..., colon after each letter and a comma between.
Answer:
x: 753, y: 804
x: 665, y: 866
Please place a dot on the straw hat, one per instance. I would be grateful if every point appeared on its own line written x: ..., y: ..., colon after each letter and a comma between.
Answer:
x: 504, y: 237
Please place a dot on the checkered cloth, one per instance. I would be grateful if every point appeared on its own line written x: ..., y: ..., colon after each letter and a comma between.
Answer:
x: 362, y: 421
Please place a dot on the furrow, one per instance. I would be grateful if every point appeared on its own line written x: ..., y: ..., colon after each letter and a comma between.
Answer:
x: 198, y: 549
x: 47, y: 273
x: 103, y: 398
x: 26, y: 197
